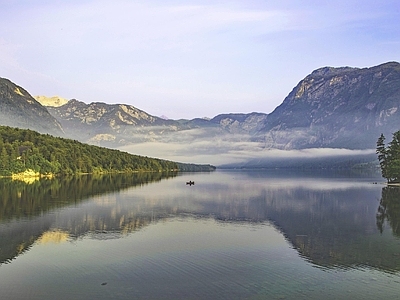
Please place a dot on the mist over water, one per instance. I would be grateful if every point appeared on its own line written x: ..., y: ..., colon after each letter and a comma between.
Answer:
x: 212, y: 146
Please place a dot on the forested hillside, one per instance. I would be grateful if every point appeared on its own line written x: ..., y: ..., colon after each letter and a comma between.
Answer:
x: 22, y: 150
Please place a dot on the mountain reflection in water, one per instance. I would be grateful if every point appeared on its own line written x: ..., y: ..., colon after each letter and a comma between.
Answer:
x: 332, y: 221
x: 30, y: 210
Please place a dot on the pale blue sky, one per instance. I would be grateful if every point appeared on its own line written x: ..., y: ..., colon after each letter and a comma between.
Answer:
x: 187, y: 59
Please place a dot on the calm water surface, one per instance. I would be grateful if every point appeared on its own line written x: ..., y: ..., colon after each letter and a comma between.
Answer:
x: 232, y: 235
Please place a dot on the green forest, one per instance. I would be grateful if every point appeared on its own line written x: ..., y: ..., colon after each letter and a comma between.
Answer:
x: 24, y: 149
x: 389, y: 157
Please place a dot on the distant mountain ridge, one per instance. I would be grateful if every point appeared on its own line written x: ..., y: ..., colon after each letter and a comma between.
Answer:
x: 331, y: 107
x: 114, y: 123
x: 111, y: 124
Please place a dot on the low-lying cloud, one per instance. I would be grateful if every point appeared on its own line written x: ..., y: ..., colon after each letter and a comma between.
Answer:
x: 199, y: 146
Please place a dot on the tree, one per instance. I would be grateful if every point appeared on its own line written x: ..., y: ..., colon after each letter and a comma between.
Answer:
x: 382, y: 155
x: 3, y: 160
x: 393, y: 170
x: 389, y: 157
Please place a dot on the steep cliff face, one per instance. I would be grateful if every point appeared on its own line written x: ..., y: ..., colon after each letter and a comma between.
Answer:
x: 337, y: 107
x: 19, y: 109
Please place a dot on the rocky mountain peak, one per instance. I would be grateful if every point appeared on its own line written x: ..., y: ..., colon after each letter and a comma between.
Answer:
x: 99, y: 122
x: 19, y: 109
x: 55, y: 101
x: 330, y: 71
x: 339, y: 106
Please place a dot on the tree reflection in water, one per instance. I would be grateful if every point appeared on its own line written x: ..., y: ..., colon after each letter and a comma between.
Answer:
x: 25, y: 200
x: 389, y: 210
x: 26, y: 207
x: 330, y: 221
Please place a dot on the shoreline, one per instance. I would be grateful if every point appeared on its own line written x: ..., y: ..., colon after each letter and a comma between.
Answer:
x: 32, y: 174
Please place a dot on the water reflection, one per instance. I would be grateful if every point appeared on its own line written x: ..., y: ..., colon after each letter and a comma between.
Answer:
x: 54, y: 236
x: 24, y: 200
x: 389, y: 209
x: 30, y: 210
x: 330, y: 220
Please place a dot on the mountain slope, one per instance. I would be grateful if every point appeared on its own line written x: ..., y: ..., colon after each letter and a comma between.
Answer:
x: 19, y: 109
x: 108, y: 123
x: 230, y: 123
x: 337, y: 107
x: 240, y: 123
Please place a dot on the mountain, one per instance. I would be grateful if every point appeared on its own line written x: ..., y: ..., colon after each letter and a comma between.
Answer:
x: 230, y: 123
x: 337, y: 107
x: 109, y: 124
x: 120, y: 124
x: 330, y: 108
x: 19, y: 109
x: 240, y: 123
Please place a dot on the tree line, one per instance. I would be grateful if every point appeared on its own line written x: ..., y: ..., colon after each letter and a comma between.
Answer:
x: 24, y: 149
x: 389, y: 157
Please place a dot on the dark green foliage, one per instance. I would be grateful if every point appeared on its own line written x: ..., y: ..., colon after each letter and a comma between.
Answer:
x: 389, y: 157
x: 381, y: 151
x: 389, y: 210
x: 22, y: 149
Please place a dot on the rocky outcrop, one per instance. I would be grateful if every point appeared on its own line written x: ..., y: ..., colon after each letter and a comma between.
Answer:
x: 55, y: 101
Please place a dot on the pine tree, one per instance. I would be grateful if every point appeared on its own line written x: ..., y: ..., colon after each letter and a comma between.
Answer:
x: 393, y: 151
x: 382, y: 155
x: 389, y: 157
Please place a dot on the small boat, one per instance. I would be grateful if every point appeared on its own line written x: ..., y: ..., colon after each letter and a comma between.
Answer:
x: 190, y: 182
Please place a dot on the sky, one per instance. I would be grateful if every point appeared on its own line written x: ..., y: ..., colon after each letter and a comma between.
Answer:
x: 188, y: 59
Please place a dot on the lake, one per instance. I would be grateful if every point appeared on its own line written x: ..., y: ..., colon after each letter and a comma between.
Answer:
x: 231, y: 235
